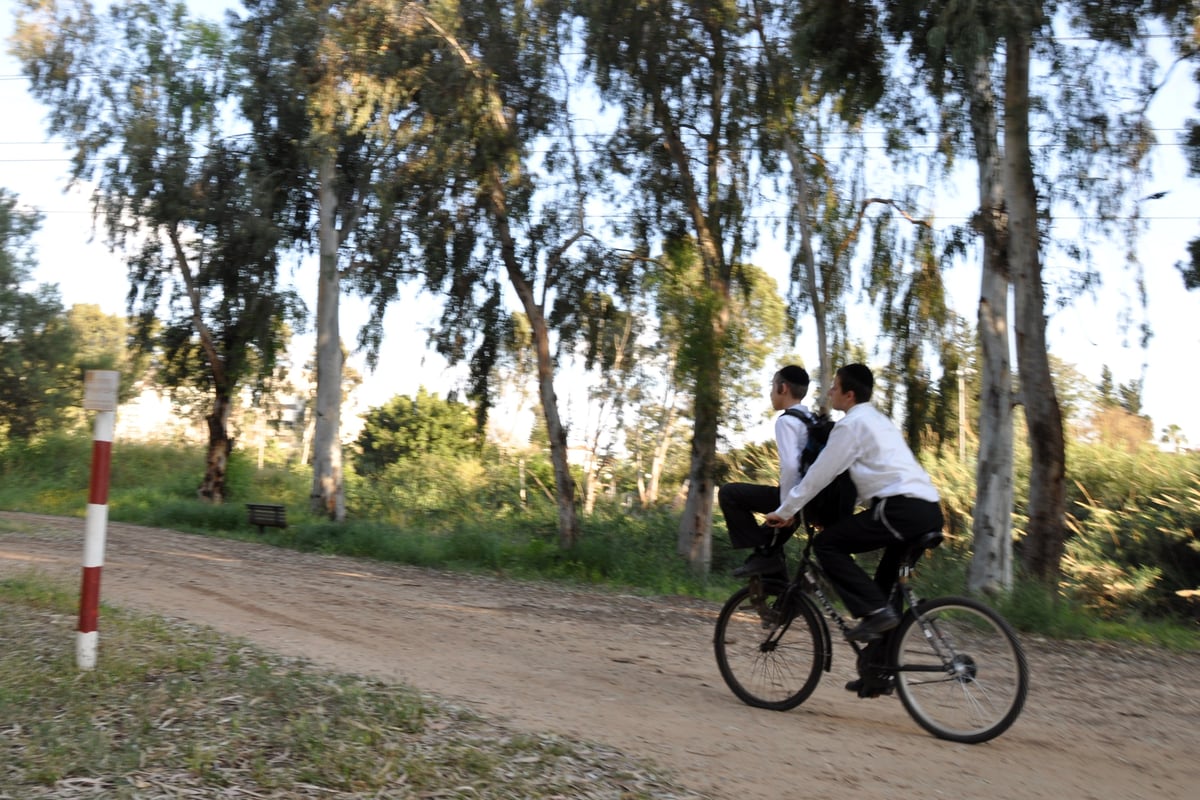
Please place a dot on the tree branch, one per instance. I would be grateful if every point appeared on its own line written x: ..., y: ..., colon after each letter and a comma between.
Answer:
x: 206, y: 338
x: 862, y: 212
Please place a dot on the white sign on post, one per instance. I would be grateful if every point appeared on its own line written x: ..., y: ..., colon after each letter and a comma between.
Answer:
x: 100, y: 389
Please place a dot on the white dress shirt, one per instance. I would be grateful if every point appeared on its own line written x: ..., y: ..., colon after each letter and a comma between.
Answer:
x: 791, y: 435
x: 869, y: 445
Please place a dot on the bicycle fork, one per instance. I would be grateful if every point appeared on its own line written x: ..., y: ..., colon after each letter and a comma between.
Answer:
x: 941, y: 644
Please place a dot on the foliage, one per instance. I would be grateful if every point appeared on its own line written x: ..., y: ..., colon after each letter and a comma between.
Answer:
x: 756, y: 327
x: 914, y: 314
x: 37, y: 346
x: 139, y: 91
x: 1135, y: 520
x: 102, y: 342
x: 1113, y: 426
x: 430, y: 491
x: 44, y: 352
x: 1190, y: 271
x: 408, y: 427
x: 143, y: 112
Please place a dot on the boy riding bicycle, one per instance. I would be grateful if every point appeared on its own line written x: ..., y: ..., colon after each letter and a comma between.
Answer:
x: 901, y: 502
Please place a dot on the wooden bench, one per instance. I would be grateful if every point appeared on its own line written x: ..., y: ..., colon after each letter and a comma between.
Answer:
x: 266, y: 515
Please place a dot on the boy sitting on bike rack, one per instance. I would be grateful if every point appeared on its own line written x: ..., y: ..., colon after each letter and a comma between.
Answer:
x: 901, y: 502
x: 741, y: 501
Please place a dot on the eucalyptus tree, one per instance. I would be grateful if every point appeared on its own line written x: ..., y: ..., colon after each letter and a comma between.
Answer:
x: 104, y: 344
x: 821, y: 69
x: 614, y: 343
x: 656, y: 433
x: 1189, y: 47
x: 646, y: 391
x: 954, y: 46
x: 37, y: 346
x: 1045, y: 540
x: 916, y: 317
x: 140, y: 92
x: 328, y: 91
x: 681, y: 76
x: 757, y: 328
x: 1102, y: 130
x: 982, y: 53
x: 497, y: 204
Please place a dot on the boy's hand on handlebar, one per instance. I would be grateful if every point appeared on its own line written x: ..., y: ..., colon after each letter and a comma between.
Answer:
x: 773, y: 520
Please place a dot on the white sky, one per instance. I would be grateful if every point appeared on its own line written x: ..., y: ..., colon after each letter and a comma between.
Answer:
x: 1087, y: 333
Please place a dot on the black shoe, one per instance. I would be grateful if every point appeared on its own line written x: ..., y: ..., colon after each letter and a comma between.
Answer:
x: 874, y: 625
x: 759, y: 564
x: 855, y: 685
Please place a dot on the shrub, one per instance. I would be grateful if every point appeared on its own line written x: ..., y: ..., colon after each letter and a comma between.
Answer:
x: 1135, y: 524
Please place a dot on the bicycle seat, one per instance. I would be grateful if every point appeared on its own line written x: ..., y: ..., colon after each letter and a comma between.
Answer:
x: 926, y: 541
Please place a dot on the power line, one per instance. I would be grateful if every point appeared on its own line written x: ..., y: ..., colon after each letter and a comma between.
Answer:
x: 785, y: 217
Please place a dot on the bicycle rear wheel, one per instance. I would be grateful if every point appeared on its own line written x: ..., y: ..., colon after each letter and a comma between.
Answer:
x: 770, y: 657
x: 963, y: 675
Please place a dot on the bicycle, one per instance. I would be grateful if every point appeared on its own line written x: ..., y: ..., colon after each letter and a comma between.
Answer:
x: 956, y: 663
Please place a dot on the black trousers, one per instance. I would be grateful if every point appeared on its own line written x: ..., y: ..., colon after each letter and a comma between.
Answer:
x: 739, y: 503
x: 889, y: 523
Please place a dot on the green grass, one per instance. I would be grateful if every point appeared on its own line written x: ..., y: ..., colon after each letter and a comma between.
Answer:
x: 178, y: 710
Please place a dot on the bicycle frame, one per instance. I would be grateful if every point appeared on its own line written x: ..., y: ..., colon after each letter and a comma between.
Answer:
x: 955, y: 663
x: 808, y: 586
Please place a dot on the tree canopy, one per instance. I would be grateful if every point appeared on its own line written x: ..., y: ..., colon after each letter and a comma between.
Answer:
x: 37, y: 346
x: 140, y: 93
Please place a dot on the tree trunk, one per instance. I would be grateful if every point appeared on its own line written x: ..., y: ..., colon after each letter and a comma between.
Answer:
x: 800, y: 181
x: 220, y: 446
x: 212, y: 488
x: 564, y: 483
x: 695, y: 527
x: 991, y: 561
x: 1045, y: 538
x: 659, y: 458
x: 591, y: 483
x: 328, y: 493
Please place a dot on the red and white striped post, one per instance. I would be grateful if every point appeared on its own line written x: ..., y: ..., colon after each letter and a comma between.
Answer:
x: 100, y: 394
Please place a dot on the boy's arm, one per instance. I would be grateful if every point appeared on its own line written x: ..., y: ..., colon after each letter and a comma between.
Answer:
x: 837, y: 457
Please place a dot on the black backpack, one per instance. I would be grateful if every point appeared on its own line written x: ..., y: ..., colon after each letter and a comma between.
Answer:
x: 839, y: 498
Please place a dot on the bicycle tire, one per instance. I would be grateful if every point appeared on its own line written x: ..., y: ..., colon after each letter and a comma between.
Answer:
x: 968, y: 681
x: 766, y: 662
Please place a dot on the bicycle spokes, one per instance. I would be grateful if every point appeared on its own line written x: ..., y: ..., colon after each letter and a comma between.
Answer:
x: 960, y: 672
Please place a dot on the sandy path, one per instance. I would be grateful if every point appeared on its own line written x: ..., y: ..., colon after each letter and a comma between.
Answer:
x: 1101, y: 721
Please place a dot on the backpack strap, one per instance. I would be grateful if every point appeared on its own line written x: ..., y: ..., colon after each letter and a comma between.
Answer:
x: 799, y: 413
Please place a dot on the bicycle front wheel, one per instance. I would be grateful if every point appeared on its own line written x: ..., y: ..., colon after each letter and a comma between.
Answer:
x: 770, y: 657
x: 961, y: 673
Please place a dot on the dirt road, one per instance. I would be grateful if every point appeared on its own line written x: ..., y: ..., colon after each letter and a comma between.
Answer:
x: 1101, y: 721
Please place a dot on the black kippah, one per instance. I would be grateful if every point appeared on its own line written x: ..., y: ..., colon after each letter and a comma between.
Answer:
x: 794, y: 375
